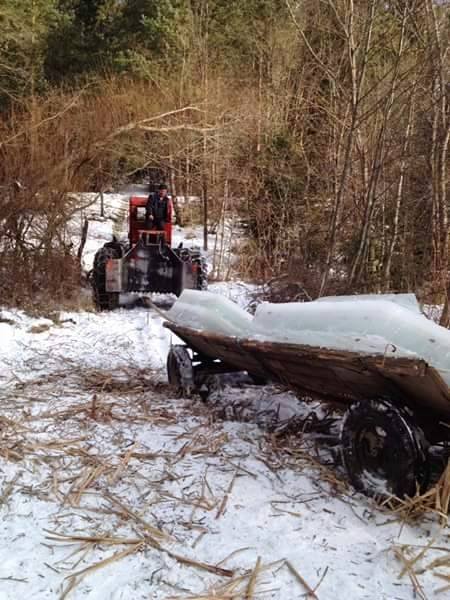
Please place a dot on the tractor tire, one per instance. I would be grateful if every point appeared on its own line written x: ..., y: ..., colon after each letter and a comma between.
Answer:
x: 180, y: 372
x: 384, y: 452
x: 103, y: 300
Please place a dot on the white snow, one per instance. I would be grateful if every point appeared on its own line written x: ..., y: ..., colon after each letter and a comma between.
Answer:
x: 94, y: 443
x: 55, y: 435
x: 34, y: 347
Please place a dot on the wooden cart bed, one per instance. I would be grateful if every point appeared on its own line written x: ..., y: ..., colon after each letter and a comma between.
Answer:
x: 334, y: 375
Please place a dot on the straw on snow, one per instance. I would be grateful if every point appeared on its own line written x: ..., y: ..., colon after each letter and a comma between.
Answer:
x: 74, y: 471
x: 435, y: 500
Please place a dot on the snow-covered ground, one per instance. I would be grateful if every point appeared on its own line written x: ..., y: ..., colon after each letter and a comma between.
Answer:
x: 111, y: 487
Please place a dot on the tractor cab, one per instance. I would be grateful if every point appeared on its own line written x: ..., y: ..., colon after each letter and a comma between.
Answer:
x: 140, y: 228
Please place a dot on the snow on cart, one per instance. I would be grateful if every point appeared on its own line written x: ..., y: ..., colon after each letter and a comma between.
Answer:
x: 376, y: 355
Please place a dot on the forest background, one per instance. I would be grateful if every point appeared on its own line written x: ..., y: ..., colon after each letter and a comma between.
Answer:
x: 323, y: 125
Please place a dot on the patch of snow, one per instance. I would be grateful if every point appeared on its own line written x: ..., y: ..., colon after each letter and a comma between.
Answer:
x: 215, y: 487
x: 433, y: 311
x: 240, y: 292
x: 101, y: 228
x: 108, y: 340
x: 377, y: 484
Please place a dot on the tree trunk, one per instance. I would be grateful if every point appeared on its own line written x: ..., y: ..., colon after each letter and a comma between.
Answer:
x: 205, y: 195
x: 357, y: 78
x: 398, y: 199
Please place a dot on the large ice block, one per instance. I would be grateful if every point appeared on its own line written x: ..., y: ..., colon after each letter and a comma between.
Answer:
x: 210, y: 312
x: 391, y: 326
x: 406, y: 300
x: 351, y: 324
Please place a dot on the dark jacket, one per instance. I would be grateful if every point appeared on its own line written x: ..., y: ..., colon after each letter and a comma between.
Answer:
x: 158, y: 208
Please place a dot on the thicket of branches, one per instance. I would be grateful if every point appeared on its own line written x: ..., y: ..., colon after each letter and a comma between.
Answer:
x: 323, y: 124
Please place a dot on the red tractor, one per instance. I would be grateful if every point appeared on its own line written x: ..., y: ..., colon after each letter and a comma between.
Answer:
x: 146, y: 262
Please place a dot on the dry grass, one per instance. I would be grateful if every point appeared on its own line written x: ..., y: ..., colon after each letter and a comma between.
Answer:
x: 436, y: 501
x: 87, y: 476
x: 417, y: 563
x: 74, y: 472
x: 69, y: 428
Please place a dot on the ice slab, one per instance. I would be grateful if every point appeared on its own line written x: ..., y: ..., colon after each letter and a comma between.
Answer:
x: 407, y: 300
x: 210, y: 312
x: 387, y: 323
x: 387, y: 326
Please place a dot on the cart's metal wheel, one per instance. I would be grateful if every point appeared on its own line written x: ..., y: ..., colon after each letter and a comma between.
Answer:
x: 383, y: 450
x: 180, y: 372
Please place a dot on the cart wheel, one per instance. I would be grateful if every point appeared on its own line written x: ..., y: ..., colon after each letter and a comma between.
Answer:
x: 383, y: 450
x: 179, y: 369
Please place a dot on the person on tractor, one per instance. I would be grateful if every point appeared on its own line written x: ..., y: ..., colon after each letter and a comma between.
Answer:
x: 157, y: 210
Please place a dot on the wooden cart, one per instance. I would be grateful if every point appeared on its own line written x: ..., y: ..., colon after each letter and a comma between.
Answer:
x: 395, y: 406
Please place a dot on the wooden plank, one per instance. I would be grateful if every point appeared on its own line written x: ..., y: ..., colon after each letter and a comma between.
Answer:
x: 412, y: 366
